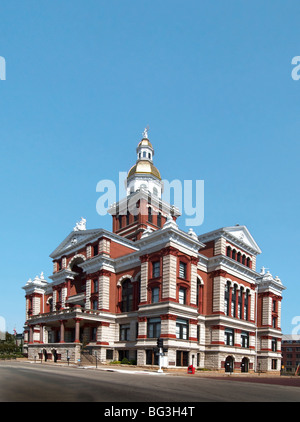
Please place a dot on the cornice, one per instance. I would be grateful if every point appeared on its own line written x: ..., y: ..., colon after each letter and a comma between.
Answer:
x: 61, y: 276
x: 97, y: 263
x: 230, y: 265
x: 162, y: 237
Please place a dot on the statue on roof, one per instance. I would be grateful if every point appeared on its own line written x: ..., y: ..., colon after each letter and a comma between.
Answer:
x: 81, y: 225
x: 145, y: 133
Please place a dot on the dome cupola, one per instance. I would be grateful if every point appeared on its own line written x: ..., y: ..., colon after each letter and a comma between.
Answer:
x: 144, y: 175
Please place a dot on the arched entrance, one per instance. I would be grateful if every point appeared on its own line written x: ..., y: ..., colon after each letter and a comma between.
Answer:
x: 245, y: 365
x: 78, y: 283
x: 229, y: 364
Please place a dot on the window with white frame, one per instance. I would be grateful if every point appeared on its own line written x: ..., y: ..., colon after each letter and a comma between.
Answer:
x: 229, y: 336
x: 124, y: 332
x: 182, y: 329
x: 245, y: 339
x: 153, y: 327
x: 182, y: 269
x: 182, y: 295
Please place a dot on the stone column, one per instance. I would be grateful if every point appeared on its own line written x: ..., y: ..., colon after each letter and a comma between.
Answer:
x: 41, y: 333
x: 31, y: 328
x: 62, y: 331
x: 77, y: 330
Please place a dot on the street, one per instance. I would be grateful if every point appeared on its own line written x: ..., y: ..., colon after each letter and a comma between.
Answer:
x: 34, y: 382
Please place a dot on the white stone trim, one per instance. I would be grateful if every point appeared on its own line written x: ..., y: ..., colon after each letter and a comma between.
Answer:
x: 121, y: 279
x: 74, y: 258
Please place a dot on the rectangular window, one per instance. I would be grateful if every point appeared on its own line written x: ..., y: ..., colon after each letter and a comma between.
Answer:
x: 182, y: 358
x: 156, y: 269
x: 109, y: 354
x: 229, y: 336
x: 159, y: 219
x: 95, y: 250
x: 155, y: 295
x: 182, y: 270
x: 153, y: 327
x: 149, y: 215
x: 94, y: 334
x: 182, y: 329
x: 95, y: 286
x: 151, y: 358
x: 124, y: 332
x: 182, y: 295
x: 244, y: 339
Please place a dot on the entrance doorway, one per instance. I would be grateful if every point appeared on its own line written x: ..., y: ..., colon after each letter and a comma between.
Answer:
x: 245, y: 365
x: 229, y: 364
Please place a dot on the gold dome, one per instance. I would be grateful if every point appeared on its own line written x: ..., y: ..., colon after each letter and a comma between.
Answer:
x: 145, y: 142
x: 144, y: 167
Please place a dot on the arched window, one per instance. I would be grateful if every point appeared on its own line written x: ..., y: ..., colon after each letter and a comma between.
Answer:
x: 243, y: 259
x: 127, y: 296
x: 248, y: 262
x: 233, y: 254
x: 228, y: 253
x: 238, y: 258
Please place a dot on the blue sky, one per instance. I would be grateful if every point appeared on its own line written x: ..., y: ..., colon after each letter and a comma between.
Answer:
x: 213, y: 81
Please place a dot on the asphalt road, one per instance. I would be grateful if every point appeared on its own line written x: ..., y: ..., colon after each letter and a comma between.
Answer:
x: 29, y: 382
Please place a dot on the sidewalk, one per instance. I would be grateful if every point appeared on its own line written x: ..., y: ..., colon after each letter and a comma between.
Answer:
x: 132, y: 369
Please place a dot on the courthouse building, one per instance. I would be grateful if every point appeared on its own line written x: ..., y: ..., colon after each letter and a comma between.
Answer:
x: 114, y: 293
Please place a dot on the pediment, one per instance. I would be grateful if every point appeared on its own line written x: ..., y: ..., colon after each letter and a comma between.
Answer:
x: 242, y: 236
x: 75, y: 239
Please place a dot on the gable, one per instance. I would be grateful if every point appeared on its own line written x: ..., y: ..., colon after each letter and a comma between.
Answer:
x: 74, y: 240
x: 242, y: 236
